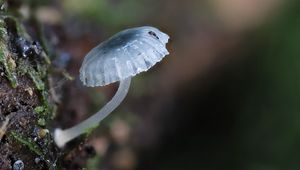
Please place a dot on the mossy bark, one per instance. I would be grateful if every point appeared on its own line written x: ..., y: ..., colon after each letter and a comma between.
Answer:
x: 25, y: 106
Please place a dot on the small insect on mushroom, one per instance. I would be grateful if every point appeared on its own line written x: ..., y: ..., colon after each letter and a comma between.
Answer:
x: 119, y: 58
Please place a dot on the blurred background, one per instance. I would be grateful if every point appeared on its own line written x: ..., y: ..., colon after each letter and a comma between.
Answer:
x: 227, y: 96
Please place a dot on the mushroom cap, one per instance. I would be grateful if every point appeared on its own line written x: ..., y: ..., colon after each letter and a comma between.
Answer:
x: 124, y: 55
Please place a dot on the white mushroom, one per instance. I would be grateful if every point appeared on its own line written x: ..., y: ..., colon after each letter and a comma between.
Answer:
x: 121, y: 57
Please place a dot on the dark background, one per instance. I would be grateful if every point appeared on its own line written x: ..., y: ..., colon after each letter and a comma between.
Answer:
x: 227, y: 96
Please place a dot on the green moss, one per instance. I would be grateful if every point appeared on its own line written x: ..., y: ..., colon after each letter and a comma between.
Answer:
x: 5, y: 58
x: 9, y: 66
x: 41, y: 122
x: 2, y: 30
x: 45, y: 110
x: 15, y: 67
x: 45, y: 113
x: 37, y: 72
x: 27, y: 142
x: 39, y: 109
x: 24, y: 67
x: 34, y: 75
x: 42, y: 70
x: 48, y: 107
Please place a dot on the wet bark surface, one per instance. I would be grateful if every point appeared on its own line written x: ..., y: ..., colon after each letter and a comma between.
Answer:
x: 22, y: 138
x: 26, y: 108
x: 31, y: 94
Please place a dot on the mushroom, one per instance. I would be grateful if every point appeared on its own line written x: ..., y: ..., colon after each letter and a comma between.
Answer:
x: 119, y: 58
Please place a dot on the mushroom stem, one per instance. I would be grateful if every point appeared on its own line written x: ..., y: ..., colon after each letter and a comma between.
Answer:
x: 61, y: 137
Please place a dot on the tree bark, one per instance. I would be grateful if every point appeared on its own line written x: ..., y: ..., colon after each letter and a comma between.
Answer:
x: 26, y: 108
